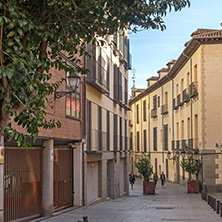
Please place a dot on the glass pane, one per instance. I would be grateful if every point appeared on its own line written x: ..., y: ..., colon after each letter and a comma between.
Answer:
x: 73, y: 104
x: 68, y: 105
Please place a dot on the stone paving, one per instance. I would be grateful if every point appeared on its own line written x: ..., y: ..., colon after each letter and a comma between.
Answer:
x: 171, y: 203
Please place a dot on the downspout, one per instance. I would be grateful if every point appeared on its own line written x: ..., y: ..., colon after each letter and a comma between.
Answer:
x: 162, y: 130
x: 191, y: 102
x: 149, y: 124
x: 83, y: 140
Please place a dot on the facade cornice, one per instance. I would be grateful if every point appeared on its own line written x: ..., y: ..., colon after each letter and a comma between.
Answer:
x: 191, y: 47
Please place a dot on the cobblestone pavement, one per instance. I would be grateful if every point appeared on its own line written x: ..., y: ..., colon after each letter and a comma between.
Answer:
x: 171, y: 203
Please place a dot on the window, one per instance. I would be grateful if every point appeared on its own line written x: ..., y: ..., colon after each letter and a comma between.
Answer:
x: 182, y: 86
x: 131, y: 141
x: 137, y: 113
x: 167, y: 169
x: 155, y: 138
x: 188, y: 80
x: 73, y: 108
x: 177, y: 90
x: 107, y: 71
x: 156, y: 166
x: 115, y: 132
x: 126, y: 142
x: 120, y: 134
x: 188, y: 128
x: 108, y: 129
x: 144, y: 141
x: 165, y: 132
x: 120, y: 88
x: 115, y: 89
x: 100, y: 128
x: 166, y: 101
x: 196, y: 131
x: 144, y: 110
x: 89, y: 125
x: 158, y: 101
x: 138, y: 140
x: 126, y: 91
x: 154, y: 102
x: 195, y: 76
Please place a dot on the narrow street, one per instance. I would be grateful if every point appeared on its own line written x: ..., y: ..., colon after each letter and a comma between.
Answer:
x: 171, y: 203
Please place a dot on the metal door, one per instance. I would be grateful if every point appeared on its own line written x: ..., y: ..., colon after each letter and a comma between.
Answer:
x: 22, y: 183
x: 108, y: 179
x: 62, y: 178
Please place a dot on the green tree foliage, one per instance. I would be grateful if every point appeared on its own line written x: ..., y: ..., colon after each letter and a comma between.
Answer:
x: 28, y: 27
x: 192, y: 166
x: 144, y: 168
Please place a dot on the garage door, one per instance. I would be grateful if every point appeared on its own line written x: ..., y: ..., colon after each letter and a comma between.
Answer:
x: 22, y: 183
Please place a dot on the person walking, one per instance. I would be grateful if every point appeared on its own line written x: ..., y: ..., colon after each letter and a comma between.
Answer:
x: 162, y: 177
x: 132, y: 180
x: 155, y: 178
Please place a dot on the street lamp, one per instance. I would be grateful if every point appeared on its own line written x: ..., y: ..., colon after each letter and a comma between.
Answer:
x: 173, y: 157
x: 73, y: 82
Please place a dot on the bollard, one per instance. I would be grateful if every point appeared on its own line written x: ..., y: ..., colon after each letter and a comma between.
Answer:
x: 85, y: 219
x: 214, y: 203
x: 218, y: 207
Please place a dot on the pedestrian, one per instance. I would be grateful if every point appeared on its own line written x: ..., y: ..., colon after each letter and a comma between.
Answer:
x: 155, y: 178
x: 162, y: 177
x: 132, y: 180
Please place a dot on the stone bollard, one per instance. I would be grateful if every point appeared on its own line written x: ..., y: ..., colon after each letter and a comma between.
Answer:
x: 85, y: 219
x: 218, y: 207
x: 214, y: 203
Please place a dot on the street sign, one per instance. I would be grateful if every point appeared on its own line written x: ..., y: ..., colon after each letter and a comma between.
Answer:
x: 219, y: 145
x: 2, y: 153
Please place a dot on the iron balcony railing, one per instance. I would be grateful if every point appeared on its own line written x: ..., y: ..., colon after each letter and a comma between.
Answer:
x: 183, y: 144
x: 99, y: 140
x: 193, y: 90
x: 175, y: 107
x: 164, y: 109
x: 154, y: 113
x: 97, y: 76
x: 185, y: 96
x: 178, y: 100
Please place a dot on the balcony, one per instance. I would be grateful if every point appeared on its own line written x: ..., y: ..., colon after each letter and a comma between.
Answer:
x: 183, y: 144
x: 164, y: 109
x: 193, y: 144
x: 98, y: 141
x: 193, y: 90
x: 175, y: 107
x: 175, y: 144
x: 154, y: 113
x: 186, y: 97
x: 178, y: 101
x: 97, y: 77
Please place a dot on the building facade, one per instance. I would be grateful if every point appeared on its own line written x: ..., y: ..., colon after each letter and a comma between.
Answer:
x: 107, y: 120
x: 181, y: 111
x: 48, y: 176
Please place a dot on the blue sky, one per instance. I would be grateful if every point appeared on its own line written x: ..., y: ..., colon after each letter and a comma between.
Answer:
x: 152, y: 49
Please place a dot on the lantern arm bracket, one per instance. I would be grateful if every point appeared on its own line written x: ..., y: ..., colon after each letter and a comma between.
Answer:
x: 61, y: 94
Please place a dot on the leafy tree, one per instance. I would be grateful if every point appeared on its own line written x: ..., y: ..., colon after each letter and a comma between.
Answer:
x: 28, y: 28
x: 144, y: 168
x: 192, y: 166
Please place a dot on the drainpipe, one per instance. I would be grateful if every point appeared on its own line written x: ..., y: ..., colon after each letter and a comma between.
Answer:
x: 162, y: 130
x: 149, y: 123
x: 173, y: 115
x: 191, y: 102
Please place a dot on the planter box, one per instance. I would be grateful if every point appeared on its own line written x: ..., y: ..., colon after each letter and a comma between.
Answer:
x: 148, y: 187
x: 193, y: 187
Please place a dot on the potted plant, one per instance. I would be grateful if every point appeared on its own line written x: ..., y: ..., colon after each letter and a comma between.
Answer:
x: 192, y: 166
x: 146, y: 170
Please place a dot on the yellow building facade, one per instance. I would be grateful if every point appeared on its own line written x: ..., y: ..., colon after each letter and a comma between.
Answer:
x: 181, y: 111
x: 107, y: 120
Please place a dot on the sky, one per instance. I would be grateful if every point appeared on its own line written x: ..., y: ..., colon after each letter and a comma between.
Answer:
x: 153, y: 49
